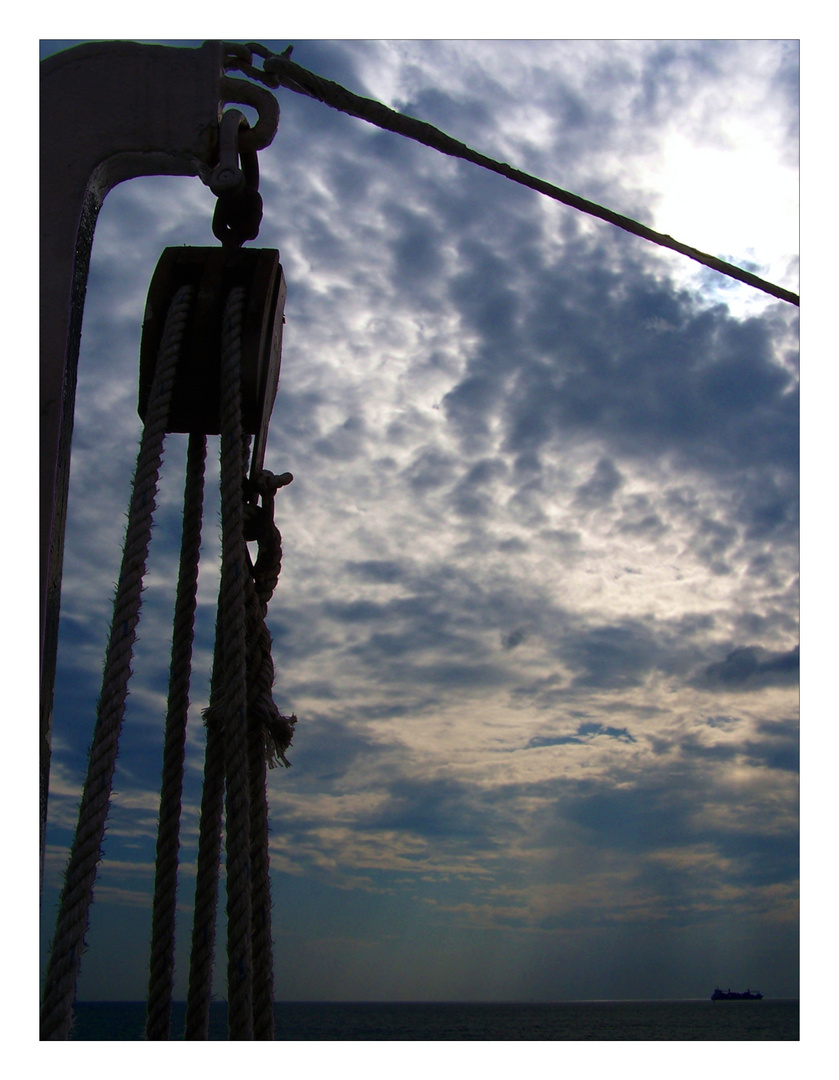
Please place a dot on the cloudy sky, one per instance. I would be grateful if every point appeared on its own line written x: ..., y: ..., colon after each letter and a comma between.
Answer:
x: 538, y: 615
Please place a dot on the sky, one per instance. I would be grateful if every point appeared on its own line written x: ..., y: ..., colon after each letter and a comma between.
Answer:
x: 538, y: 615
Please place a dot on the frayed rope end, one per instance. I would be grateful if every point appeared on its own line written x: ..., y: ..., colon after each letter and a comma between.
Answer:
x: 279, y: 731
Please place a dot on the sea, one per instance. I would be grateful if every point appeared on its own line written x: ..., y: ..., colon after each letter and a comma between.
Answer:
x: 321, y: 1021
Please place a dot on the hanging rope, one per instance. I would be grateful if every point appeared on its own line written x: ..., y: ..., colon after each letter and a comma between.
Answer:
x: 162, y: 962
x: 232, y: 711
x: 269, y: 735
x: 277, y: 730
x: 245, y: 732
x: 200, y: 991
x: 202, y: 955
x: 77, y: 894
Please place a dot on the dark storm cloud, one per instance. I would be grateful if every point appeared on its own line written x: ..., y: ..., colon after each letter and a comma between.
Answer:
x: 643, y: 394
x: 711, y: 541
x: 331, y: 748
x: 451, y: 612
x: 670, y: 72
x: 602, y: 485
x: 420, y: 642
x: 672, y: 810
x: 395, y: 636
x: 442, y: 807
x: 472, y: 496
x: 300, y: 411
x: 778, y: 747
x: 751, y: 668
x: 709, y: 394
x: 639, y: 518
x: 430, y: 469
x: 708, y: 388
x: 417, y: 250
x: 384, y: 571
x: 467, y: 113
x: 612, y: 656
x: 346, y: 441
x: 639, y: 818
x: 515, y: 637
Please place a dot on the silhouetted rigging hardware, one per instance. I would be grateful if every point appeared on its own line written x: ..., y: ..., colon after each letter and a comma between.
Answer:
x: 239, y: 207
x: 280, y: 70
x: 210, y: 362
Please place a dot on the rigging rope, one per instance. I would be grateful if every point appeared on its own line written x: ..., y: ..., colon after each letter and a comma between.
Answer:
x: 244, y: 729
x: 77, y: 894
x: 199, y: 993
x: 280, y: 70
x: 162, y: 962
x: 269, y: 735
x: 232, y: 710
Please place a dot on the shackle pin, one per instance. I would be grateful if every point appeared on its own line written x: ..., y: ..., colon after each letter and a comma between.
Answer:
x: 227, y: 177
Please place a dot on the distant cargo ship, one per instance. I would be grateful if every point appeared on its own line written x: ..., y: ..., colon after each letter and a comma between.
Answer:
x: 732, y: 995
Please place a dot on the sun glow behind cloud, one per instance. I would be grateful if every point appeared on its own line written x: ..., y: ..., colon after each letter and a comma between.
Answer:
x: 718, y: 196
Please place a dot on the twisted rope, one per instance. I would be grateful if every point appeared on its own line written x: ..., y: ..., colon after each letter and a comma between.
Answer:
x: 269, y: 735
x: 77, y: 894
x: 199, y: 993
x: 277, y: 730
x: 202, y: 955
x: 245, y: 731
x: 162, y: 961
x: 262, y: 946
x: 232, y: 616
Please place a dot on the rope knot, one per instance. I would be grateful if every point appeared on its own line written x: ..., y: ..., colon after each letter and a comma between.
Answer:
x: 266, y: 482
x: 259, y: 527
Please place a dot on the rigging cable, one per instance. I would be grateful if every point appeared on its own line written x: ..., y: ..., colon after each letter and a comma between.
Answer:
x: 280, y: 70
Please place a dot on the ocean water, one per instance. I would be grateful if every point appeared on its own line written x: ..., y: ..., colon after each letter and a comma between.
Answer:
x: 770, y: 1019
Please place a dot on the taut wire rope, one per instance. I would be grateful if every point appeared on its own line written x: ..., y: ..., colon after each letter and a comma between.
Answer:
x: 280, y: 70
x: 77, y: 894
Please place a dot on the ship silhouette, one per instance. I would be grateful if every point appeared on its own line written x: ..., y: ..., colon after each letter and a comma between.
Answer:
x: 732, y: 995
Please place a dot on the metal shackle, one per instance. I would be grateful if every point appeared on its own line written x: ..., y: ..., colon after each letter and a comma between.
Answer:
x: 227, y: 177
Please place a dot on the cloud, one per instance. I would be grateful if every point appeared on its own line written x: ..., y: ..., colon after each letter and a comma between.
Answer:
x: 515, y: 637
x: 584, y: 733
x: 438, y: 807
x: 602, y: 485
x: 541, y: 549
x: 751, y: 668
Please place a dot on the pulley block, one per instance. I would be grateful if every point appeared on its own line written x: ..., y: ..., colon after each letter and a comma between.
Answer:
x: 196, y: 396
